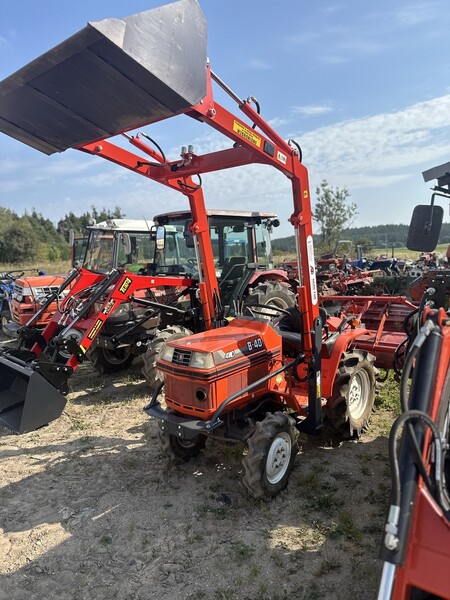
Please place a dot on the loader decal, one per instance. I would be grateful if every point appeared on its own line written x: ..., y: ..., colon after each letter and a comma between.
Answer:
x: 247, y: 133
x: 108, y: 307
x: 93, y: 332
x: 282, y: 157
x: 312, y: 269
x: 125, y: 285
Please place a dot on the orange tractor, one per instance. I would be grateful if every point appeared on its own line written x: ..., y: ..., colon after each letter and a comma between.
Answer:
x: 62, y: 91
x: 247, y: 380
x: 416, y: 542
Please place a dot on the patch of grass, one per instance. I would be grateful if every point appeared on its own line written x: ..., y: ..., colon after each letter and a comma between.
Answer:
x: 216, y: 512
x: 255, y: 570
x: 106, y: 540
x: 326, y: 503
x: 242, y: 551
x: 389, y: 395
x: 327, y: 566
x: 366, y: 470
x: 78, y: 423
x: 312, y: 592
x: 310, y: 481
x: 197, y: 595
x: 347, y: 528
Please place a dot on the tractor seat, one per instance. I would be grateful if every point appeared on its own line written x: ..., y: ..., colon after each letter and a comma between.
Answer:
x: 290, y: 327
x: 233, y: 268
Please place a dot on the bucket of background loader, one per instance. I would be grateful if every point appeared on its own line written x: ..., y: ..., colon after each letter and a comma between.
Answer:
x: 112, y: 76
x: 27, y: 400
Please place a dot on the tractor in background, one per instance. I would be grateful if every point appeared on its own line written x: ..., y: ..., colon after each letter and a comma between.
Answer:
x: 242, y: 256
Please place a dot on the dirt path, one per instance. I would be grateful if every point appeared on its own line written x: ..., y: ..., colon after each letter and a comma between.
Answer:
x: 90, y: 509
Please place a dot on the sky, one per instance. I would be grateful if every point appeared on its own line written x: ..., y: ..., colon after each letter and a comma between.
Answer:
x: 363, y: 87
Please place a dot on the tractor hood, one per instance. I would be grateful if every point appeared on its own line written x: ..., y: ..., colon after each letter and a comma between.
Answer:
x: 243, y: 335
x: 112, y: 76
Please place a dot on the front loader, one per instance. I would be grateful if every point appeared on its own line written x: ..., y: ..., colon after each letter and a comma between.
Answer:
x: 249, y: 380
x: 416, y: 542
x: 109, y: 78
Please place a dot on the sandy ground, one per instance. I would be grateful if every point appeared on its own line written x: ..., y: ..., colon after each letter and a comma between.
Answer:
x: 91, y: 509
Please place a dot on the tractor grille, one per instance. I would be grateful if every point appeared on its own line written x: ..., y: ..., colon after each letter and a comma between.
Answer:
x: 181, y: 357
x: 20, y: 291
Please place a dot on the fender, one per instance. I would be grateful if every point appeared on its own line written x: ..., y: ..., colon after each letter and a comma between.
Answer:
x: 343, y: 343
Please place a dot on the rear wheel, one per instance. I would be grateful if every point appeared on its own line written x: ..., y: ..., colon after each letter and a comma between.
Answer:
x: 111, y: 361
x: 270, y: 293
x: 154, y: 349
x: 271, y: 454
x: 350, y: 407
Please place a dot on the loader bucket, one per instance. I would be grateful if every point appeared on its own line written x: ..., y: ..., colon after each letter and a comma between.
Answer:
x: 112, y: 76
x: 27, y: 400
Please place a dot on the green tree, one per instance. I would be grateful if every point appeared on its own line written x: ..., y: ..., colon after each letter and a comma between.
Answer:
x: 333, y: 213
x: 19, y: 242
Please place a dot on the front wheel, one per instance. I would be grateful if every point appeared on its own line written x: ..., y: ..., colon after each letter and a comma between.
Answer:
x: 6, y: 319
x: 271, y: 454
x: 351, y: 404
x: 111, y: 361
x: 177, y: 448
x: 154, y: 350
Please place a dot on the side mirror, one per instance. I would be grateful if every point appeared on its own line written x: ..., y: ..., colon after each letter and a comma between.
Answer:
x: 126, y: 241
x: 160, y: 237
x: 188, y: 237
x: 425, y: 227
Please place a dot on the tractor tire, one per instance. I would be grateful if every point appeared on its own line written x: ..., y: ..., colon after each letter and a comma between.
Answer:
x: 269, y: 293
x: 178, y: 449
x: 6, y: 318
x: 154, y: 348
x: 271, y: 454
x: 351, y: 404
x: 111, y: 361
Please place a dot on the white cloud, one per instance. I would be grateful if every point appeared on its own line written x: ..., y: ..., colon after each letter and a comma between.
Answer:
x: 417, y: 14
x: 372, y: 155
x: 257, y: 65
x: 311, y: 110
x: 278, y: 122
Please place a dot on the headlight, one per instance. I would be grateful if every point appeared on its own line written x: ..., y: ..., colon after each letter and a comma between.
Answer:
x: 201, y: 360
x: 167, y: 353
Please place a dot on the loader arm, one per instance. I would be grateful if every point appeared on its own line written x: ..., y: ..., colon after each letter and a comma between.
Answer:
x: 118, y: 75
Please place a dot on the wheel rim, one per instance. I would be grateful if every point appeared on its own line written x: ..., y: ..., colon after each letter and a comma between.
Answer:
x: 278, y: 457
x: 116, y: 357
x: 72, y: 334
x: 187, y: 444
x: 358, y: 394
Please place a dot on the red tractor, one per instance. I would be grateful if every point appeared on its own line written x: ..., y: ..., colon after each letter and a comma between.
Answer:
x: 416, y: 542
x: 33, y: 378
x: 247, y: 379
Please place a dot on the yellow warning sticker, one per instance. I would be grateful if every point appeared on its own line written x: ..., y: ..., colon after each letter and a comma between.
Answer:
x: 95, y: 328
x: 247, y: 134
x: 125, y: 285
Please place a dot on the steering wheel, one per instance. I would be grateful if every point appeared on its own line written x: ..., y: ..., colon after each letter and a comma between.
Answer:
x: 281, y: 311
